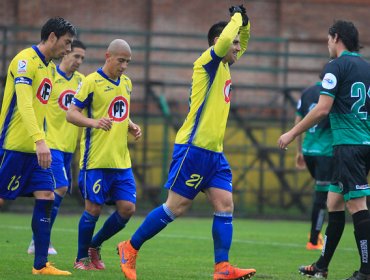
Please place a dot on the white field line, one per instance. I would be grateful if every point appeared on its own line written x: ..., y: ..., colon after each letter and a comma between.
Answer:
x: 177, y: 236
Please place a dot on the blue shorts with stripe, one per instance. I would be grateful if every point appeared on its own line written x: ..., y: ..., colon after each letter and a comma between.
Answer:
x: 195, y: 169
x: 106, y: 186
x: 21, y: 175
x: 61, y: 168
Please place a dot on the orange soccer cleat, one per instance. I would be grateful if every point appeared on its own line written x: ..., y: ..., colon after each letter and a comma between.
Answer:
x: 50, y: 270
x: 224, y: 270
x: 128, y: 257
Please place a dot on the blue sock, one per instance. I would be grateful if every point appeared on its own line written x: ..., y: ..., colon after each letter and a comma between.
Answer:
x: 153, y: 223
x: 54, y: 212
x: 41, y: 231
x: 222, y: 232
x: 85, y: 233
x: 112, y: 225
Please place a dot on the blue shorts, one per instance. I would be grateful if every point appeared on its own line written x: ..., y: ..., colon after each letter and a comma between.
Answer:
x: 194, y: 169
x: 107, y: 185
x: 61, y: 168
x: 21, y: 175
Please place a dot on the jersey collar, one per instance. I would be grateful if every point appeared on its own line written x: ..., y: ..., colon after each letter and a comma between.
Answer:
x: 100, y: 71
x: 39, y: 53
x: 349, y: 53
x: 63, y: 74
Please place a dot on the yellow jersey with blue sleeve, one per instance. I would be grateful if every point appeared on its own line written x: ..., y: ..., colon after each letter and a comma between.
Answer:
x: 100, y: 96
x: 60, y: 134
x: 209, y: 101
x: 27, y: 92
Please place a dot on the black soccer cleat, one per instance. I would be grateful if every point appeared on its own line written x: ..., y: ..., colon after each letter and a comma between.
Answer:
x: 357, y: 275
x: 312, y: 271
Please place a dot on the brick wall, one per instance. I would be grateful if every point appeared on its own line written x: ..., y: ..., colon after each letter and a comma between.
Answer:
x: 289, y: 19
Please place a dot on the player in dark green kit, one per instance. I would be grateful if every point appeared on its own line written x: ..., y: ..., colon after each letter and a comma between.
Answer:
x: 345, y: 94
x: 315, y: 153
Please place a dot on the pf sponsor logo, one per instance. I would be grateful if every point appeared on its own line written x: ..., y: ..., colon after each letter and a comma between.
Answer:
x: 22, y: 66
x: 118, y: 109
x: 44, y: 91
x: 65, y: 99
x: 227, y: 91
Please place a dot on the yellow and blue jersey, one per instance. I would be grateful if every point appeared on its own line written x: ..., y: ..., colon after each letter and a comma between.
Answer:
x: 27, y: 92
x: 209, y: 101
x: 99, y: 97
x: 60, y: 134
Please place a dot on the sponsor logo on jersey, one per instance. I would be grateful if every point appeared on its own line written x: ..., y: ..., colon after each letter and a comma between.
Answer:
x: 65, y: 99
x: 329, y: 81
x: 118, y: 109
x: 362, y: 187
x: 108, y: 88
x: 227, y: 91
x: 22, y: 66
x: 128, y: 90
x: 79, y: 86
x: 44, y: 91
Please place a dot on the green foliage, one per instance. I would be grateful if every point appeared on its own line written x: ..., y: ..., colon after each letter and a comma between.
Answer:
x: 184, y: 250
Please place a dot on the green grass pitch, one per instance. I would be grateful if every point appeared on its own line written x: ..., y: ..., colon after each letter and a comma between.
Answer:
x: 184, y: 250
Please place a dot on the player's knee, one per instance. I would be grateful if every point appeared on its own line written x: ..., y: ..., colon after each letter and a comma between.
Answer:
x: 356, y: 205
x: 62, y: 191
x: 47, y: 195
x: 126, y: 210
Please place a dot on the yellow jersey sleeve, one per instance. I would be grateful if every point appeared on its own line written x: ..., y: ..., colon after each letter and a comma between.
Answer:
x: 27, y: 92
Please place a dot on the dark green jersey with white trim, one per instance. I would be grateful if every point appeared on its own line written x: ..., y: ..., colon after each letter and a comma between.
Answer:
x: 318, y: 139
x: 347, y: 80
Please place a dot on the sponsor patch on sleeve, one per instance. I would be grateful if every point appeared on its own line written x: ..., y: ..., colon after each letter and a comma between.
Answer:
x: 329, y: 81
x: 22, y: 66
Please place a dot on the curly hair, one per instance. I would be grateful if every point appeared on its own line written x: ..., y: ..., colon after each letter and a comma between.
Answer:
x: 347, y: 33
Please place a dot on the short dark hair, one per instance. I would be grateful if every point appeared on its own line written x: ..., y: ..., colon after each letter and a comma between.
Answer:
x: 215, y: 31
x: 347, y: 33
x: 59, y: 26
x: 78, y: 44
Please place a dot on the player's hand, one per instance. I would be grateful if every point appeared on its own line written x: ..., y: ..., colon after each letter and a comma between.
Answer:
x: 244, y: 15
x: 285, y: 140
x: 135, y: 130
x: 236, y: 9
x: 43, y: 154
x: 299, y: 161
x: 104, y: 123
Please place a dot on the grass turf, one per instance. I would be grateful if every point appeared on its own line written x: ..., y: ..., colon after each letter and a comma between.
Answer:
x: 184, y: 250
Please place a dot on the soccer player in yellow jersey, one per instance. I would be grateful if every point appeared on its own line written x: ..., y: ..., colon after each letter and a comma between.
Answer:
x: 61, y: 136
x: 198, y: 163
x: 102, y: 107
x: 24, y: 154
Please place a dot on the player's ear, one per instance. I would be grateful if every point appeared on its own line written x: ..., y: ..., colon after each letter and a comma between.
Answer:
x: 336, y: 38
x: 52, y: 37
x: 215, y: 40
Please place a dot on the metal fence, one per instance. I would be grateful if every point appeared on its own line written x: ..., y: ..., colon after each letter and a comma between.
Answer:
x: 267, y: 82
